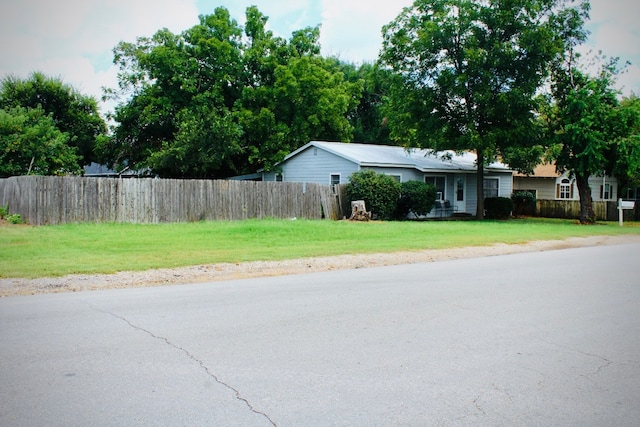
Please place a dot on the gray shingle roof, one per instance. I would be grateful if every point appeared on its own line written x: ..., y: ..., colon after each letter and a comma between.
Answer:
x: 371, y: 155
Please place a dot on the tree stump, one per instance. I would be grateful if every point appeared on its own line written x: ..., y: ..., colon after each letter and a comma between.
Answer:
x: 359, y: 212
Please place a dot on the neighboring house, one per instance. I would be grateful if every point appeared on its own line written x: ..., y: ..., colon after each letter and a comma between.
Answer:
x: 454, y: 176
x: 547, y: 184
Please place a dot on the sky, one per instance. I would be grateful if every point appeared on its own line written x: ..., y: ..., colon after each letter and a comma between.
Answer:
x: 74, y: 39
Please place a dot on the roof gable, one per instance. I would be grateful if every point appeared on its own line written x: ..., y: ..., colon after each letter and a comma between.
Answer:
x: 547, y: 170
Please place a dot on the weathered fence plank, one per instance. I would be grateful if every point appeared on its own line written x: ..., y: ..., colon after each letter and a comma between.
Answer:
x: 570, y: 209
x: 55, y: 200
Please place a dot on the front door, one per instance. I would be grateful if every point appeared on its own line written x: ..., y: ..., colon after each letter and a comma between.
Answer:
x: 460, y: 189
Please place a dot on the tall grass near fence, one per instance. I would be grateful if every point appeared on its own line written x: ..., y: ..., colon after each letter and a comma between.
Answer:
x: 44, y: 200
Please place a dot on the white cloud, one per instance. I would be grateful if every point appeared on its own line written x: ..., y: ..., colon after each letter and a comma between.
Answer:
x: 73, y: 39
x: 352, y: 30
x: 285, y: 16
x: 615, y: 32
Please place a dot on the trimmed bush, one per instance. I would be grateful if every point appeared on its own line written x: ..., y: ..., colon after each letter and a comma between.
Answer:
x: 415, y: 197
x: 524, y: 203
x: 498, y: 207
x: 380, y: 192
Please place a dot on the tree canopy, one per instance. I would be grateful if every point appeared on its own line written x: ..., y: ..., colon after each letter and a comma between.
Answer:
x: 31, y: 143
x: 590, y: 131
x: 466, y: 72
x: 219, y: 99
x: 71, y: 112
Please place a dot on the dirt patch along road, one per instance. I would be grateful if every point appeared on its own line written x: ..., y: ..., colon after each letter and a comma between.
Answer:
x: 232, y: 271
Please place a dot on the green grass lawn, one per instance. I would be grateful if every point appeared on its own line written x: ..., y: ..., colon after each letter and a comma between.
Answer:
x: 31, y: 252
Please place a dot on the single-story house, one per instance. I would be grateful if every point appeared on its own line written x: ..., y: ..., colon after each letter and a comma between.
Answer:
x: 547, y: 184
x: 453, y: 175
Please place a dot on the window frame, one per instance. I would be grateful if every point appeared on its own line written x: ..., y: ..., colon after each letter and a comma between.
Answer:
x: 564, y: 189
x: 485, y: 188
x: 440, y: 195
x: 606, y: 191
x: 396, y: 176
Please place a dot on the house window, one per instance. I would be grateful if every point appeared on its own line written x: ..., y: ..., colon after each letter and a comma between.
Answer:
x: 335, y: 181
x: 279, y: 177
x: 460, y: 189
x: 491, y: 187
x: 606, y: 192
x: 439, y: 183
x: 396, y: 177
x: 564, y: 190
x: 631, y: 194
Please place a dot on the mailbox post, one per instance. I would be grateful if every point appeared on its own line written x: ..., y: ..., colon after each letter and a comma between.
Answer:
x: 622, y: 204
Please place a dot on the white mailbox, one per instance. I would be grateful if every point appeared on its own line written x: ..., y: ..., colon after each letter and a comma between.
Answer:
x: 623, y: 204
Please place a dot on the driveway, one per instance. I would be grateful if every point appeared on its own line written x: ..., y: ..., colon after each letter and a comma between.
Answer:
x: 543, y: 338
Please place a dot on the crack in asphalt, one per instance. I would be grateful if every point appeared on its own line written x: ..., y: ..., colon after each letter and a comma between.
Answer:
x: 606, y: 361
x: 588, y: 376
x: 195, y: 359
x: 477, y: 405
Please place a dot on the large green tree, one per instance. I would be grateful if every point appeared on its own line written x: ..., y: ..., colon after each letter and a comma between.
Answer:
x: 72, y: 112
x: 466, y: 75
x: 627, y: 168
x: 219, y: 99
x: 590, y: 131
x: 32, y: 144
x: 368, y: 119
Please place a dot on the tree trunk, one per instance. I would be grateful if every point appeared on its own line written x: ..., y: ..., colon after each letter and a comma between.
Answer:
x: 480, y: 184
x: 587, y: 216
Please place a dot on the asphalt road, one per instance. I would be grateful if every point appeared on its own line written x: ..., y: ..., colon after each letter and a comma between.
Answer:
x: 536, y: 339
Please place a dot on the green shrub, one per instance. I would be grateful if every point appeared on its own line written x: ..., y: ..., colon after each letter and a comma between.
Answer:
x: 380, y: 192
x: 4, y: 211
x: 14, y: 218
x: 498, y: 207
x: 524, y: 203
x: 415, y: 197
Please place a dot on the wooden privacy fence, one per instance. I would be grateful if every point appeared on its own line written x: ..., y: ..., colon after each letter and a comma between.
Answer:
x: 605, y: 211
x: 57, y: 200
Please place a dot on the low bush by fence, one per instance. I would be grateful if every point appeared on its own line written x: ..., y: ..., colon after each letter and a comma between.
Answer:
x: 56, y: 200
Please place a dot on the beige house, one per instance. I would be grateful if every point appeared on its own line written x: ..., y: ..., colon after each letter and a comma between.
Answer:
x: 547, y: 184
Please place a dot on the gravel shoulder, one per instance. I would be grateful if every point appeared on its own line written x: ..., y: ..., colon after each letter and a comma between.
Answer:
x: 231, y: 271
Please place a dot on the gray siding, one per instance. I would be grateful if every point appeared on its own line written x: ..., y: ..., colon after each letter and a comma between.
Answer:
x: 404, y: 173
x: 545, y: 187
x: 505, y: 188
x: 472, y: 196
x: 316, y: 165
